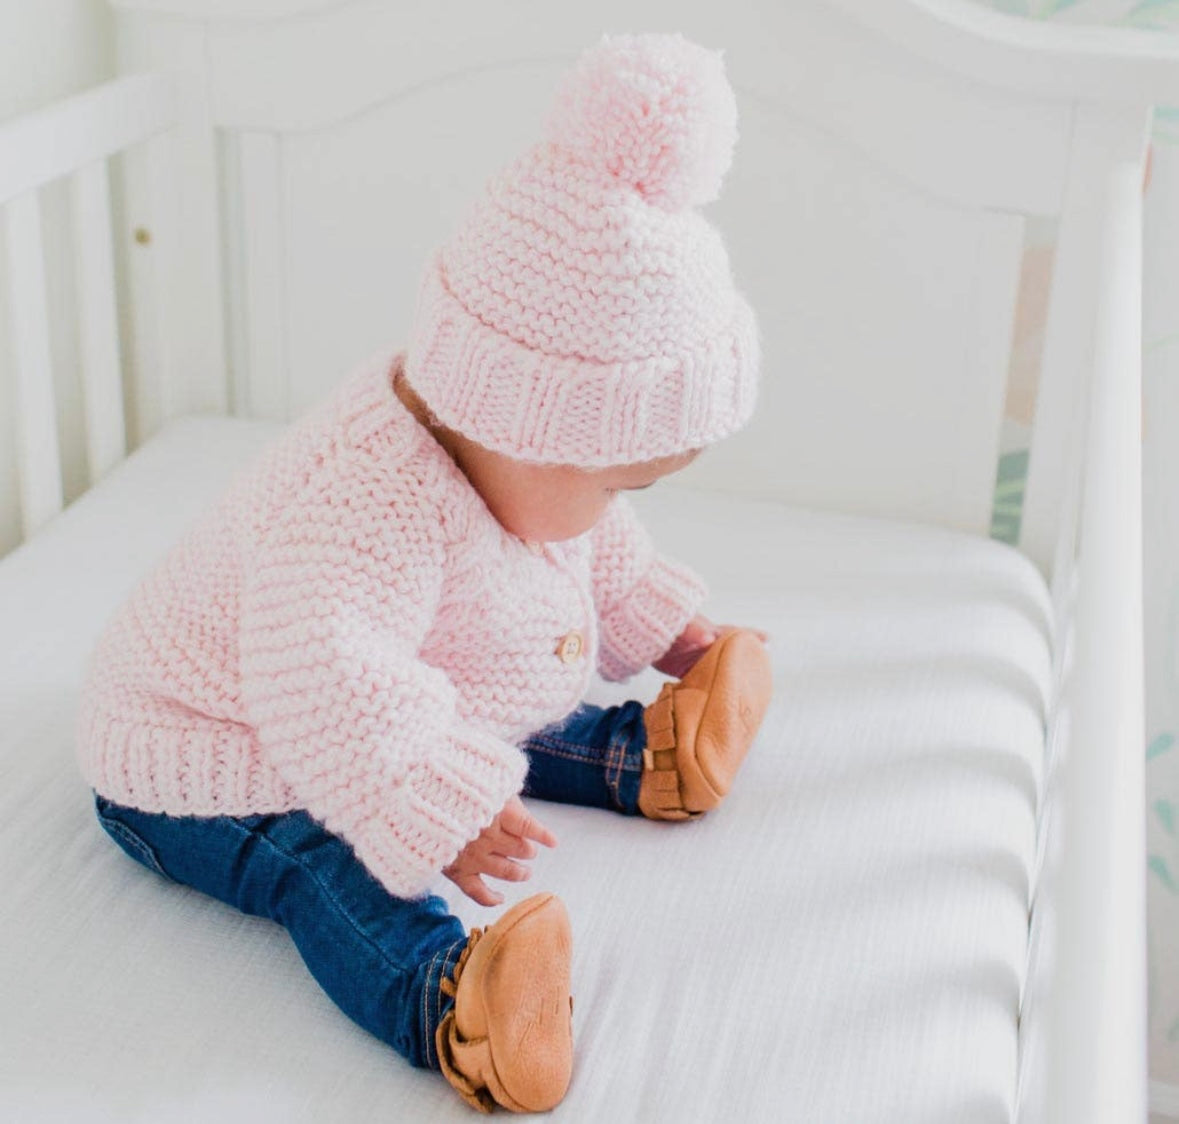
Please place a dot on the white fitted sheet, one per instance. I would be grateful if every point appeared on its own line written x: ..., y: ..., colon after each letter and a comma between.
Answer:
x: 842, y: 941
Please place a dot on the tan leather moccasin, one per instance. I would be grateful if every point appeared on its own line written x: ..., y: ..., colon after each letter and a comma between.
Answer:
x: 700, y: 728
x: 508, y: 1040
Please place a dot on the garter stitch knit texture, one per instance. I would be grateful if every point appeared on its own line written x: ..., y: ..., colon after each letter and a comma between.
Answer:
x: 584, y: 312
x: 349, y: 630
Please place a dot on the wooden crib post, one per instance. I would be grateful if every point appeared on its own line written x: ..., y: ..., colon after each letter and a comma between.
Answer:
x: 173, y: 234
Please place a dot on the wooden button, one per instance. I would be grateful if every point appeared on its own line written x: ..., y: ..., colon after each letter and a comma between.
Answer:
x: 571, y: 647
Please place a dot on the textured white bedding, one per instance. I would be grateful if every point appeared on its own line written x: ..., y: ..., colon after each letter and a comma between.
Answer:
x: 842, y: 941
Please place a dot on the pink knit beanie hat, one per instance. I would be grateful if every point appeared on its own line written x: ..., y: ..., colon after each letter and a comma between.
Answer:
x: 585, y: 313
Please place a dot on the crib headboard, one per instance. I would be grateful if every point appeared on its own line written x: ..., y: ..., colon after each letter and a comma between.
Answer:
x: 891, y: 152
x: 874, y: 213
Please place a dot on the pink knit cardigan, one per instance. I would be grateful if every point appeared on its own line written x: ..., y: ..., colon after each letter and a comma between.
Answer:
x: 349, y: 631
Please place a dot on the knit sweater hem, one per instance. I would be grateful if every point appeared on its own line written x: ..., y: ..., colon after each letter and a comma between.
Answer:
x: 216, y: 770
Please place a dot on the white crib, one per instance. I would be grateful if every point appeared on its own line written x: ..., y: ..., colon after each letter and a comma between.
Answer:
x: 925, y: 900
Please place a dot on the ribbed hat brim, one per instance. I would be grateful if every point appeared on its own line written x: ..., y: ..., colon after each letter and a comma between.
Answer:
x: 550, y: 409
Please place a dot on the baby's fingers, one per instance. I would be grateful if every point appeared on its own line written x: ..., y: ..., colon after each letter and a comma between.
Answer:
x: 516, y: 820
x: 497, y: 866
x: 513, y: 846
x: 476, y: 889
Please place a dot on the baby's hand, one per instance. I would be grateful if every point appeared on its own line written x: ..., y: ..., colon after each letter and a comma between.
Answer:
x: 495, y: 850
x: 698, y: 636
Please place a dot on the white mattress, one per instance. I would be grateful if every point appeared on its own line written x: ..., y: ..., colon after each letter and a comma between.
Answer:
x: 842, y: 941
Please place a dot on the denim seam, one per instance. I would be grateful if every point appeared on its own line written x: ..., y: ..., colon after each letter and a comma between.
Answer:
x: 618, y: 748
x: 436, y: 991
x: 427, y: 1036
x: 616, y: 766
x: 619, y: 765
x: 446, y: 968
x: 555, y: 745
x: 548, y: 751
x: 132, y: 839
x: 613, y: 760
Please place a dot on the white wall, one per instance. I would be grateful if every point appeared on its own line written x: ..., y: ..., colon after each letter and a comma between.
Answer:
x: 48, y: 49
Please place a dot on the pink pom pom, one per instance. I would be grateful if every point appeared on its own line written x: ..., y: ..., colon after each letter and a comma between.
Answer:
x: 655, y: 111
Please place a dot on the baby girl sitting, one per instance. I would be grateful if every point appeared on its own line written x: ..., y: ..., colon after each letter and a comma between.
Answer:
x: 338, y: 685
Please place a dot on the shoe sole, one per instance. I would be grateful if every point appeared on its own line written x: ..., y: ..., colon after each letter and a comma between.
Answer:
x: 530, y: 1050
x: 732, y: 703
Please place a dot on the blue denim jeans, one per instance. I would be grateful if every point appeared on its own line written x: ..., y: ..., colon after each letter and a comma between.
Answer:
x: 380, y: 958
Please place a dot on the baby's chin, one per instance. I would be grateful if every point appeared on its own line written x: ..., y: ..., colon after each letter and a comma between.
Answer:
x: 554, y: 536
x: 549, y: 530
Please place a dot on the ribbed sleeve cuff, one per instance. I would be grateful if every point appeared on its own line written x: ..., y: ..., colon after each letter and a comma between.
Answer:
x: 643, y: 625
x: 444, y: 804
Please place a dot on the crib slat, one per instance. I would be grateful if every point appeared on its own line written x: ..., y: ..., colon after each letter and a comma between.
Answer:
x: 106, y: 442
x: 266, y: 269
x: 38, y: 459
x: 50, y: 143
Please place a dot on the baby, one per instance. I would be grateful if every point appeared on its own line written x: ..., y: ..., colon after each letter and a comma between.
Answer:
x: 337, y: 686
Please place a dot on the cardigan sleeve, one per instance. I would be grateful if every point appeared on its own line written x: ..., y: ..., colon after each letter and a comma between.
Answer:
x: 337, y: 597
x: 643, y: 599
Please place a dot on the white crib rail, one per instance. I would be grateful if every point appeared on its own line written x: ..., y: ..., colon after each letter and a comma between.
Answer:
x: 73, y: 138
x: 1083, y: 1038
